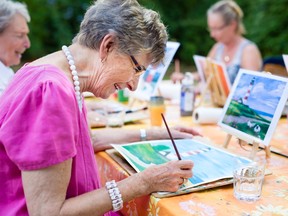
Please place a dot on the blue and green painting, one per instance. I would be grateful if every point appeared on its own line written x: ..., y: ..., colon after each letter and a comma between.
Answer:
x: 210, y: 163
x: 253, y: 104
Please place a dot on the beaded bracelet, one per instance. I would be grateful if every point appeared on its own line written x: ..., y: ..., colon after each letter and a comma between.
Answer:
x: 115, y: 195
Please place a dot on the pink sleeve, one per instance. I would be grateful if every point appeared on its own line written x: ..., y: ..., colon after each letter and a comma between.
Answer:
x: 41, y: 129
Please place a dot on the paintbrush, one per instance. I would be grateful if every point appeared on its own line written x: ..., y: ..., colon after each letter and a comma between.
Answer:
x: 176, y: 150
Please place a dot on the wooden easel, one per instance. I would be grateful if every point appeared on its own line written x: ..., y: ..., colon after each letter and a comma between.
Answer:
x: 255, y: 147
x: 213, y: 83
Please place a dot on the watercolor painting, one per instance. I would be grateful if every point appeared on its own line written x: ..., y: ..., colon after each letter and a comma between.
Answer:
x: 210, y: 163
x: 222, y: 78
x: 149, y: 81
x: 255, y: 105
x: 214, y: 76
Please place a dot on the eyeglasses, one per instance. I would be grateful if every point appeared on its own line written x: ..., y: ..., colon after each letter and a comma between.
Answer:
x: 217, y: 29
x: 139, y: 69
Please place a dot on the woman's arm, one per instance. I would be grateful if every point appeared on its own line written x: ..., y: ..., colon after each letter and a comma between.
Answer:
x: 45, y: 189
x: 45, y: 193
x: 102, y: 138
x: 251, y: 58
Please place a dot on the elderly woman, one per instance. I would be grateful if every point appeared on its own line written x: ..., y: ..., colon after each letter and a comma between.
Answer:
x: 47, y: 160
x: 226, y: 27
x: 13, y: 38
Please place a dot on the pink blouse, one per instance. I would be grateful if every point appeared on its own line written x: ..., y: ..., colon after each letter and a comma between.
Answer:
x: 40, y: 126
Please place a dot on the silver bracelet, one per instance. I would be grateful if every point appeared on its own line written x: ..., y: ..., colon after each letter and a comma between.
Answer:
x: 115, y: 195
x: 143, y: 135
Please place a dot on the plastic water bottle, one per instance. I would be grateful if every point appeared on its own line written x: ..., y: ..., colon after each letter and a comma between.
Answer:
x: 187, y: 95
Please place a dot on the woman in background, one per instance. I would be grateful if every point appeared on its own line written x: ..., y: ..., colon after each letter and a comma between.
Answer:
x: 226, y: 27
x: 14, y: 40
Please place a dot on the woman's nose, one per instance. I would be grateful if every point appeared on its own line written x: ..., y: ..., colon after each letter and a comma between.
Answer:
x: 133, y: 83
x: 27, y: 43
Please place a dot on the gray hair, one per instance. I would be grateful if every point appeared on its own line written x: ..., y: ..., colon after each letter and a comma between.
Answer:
x: 230, y: 11
x: 8, y: 9
x: 136, y: 28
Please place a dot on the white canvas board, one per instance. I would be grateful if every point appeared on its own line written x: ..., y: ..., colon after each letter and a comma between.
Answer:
x: 149, y: 81
x: 200, y: 62
x: 285, y: 58
x: 254, y: 106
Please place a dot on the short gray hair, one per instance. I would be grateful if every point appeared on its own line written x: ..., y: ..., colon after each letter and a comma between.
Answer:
x: 230, y: 11
x: 137, y: 29
x: 8, y: 9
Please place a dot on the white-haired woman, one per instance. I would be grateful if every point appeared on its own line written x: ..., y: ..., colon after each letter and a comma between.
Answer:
x: 14, y: 39
x: 47, y: 159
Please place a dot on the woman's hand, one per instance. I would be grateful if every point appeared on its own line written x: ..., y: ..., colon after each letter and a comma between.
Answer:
x: 102, y: 138
x: 181, y: 132
x: 166, y: 177
x: 177, y: 77
x: 178, y: 132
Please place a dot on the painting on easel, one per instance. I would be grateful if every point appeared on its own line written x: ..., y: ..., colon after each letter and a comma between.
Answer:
x: 214, y: 76
x: 220, y: 83
x: 285, y: 58
x: 254, y: 106
x: 150, y: 80
x: 200, y: 62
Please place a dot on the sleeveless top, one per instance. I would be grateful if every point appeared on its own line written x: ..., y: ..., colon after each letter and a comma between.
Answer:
x: 235, y: 64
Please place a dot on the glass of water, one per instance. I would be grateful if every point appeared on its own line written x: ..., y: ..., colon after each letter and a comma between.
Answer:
x: 248, y: 181
x: 115, y: 116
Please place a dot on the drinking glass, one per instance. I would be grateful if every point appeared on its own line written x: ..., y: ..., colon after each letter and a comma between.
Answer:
x: 156, y: 107
x: 248, y: 180
x: 115, y: 116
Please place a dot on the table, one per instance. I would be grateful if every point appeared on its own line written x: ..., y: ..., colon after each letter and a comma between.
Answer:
x: 216, y: 201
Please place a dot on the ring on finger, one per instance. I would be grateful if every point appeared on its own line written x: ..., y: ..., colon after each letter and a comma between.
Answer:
x: 184, y: 180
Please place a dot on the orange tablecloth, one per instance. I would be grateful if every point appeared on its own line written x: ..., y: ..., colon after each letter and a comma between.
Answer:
x: 217, y: 201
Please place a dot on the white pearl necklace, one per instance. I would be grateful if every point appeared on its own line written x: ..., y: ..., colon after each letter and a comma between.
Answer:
x: 74, y: 76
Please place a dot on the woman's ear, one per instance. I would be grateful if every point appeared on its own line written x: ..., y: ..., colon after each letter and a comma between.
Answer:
x: 106, y: 46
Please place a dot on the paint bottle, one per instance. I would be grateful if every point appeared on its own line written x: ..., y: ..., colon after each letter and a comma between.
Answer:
x: 123, y: 95
x: 187, y: 95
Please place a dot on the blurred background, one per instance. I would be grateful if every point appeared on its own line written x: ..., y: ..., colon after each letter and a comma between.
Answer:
x: 55, y: 22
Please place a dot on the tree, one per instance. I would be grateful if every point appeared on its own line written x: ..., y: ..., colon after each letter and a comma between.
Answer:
x: 55, y: 22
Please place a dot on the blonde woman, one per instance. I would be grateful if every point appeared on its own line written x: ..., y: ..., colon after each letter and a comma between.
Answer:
x: 225, y: 24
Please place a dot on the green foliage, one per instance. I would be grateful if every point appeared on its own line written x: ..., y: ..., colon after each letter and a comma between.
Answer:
x: 267, y: 26
x: 186, y: 23
x: 55, y: 22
